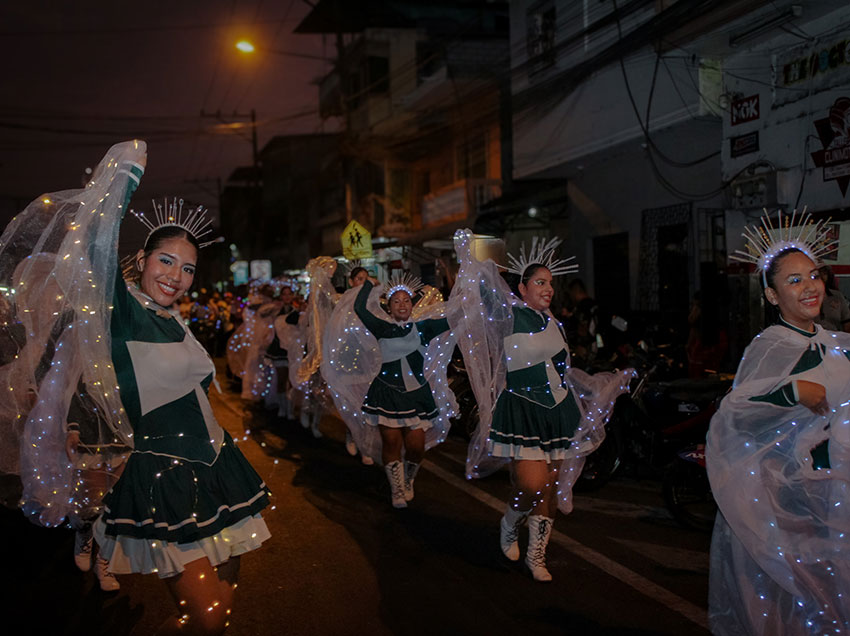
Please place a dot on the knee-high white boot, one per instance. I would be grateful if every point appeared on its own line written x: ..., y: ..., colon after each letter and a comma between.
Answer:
x: 410, y: 470
x: 539, y: 531
x: 509, y: 527
x: 395, y: 475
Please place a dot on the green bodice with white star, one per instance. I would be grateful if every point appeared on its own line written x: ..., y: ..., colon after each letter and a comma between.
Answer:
x: 400, y: 390
x: 536, y: 356
x: 163, y: 376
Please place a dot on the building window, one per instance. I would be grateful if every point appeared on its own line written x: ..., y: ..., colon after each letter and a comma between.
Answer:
x: 429, y: 59
x: 471, y: 159
x: 378, y: 75
x: 540, y: 35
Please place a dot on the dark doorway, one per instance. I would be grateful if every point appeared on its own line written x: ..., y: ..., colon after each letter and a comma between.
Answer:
x: 673, y: 266
x: 611, y: 272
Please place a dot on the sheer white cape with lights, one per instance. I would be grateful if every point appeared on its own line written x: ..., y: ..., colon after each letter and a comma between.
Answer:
x: 303, y: 342
x: 487, y: 320
x: 58, y: 263
x: 246, y: 348
x: 779, y: 554
x: 351, y: 360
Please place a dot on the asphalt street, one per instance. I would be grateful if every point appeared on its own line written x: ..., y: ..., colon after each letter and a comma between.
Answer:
x: 341, y: 560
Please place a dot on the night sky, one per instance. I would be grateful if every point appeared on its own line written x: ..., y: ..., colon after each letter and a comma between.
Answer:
x: 80, y: 76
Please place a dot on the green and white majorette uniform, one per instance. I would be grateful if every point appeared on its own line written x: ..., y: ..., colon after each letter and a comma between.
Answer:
x: 536, y: 415
x: 399, y: 396
x: 781, y: 477
x: 532, y: 404
x: 187, y: 492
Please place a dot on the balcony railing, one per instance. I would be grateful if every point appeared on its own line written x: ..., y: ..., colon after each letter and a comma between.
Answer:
x: 458, y: 201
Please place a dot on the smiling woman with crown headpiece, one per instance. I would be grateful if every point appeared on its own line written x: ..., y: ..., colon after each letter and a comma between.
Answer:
x: 387, y: 373
x: 188, y: 503
x: 536, y: 411
x: 778, y: 454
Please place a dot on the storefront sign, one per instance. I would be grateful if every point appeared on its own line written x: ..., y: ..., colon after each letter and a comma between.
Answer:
x: 261, y: 269
x: 818, y: 62
x: 834, y: 157
x: 240, y: 272
x: 744, y: 110
x: 809, y: 69
x: 744, y: 144
x: 356, y: 242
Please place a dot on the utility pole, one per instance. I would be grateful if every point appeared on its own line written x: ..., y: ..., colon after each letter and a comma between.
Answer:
x: 240, y: 116
x: 256, y: 182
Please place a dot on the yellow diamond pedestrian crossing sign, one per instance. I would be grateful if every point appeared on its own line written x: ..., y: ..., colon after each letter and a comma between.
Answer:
x: 356, y: 242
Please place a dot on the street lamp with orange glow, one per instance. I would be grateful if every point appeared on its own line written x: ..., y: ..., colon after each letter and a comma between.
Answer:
x: 247, y: 47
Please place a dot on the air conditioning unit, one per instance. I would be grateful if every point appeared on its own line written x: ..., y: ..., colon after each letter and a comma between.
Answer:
x: 754, y: 191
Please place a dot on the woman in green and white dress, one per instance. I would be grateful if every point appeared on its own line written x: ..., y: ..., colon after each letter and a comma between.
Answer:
x: 535, y: 410
x: 778, y: 455
x: 188, y: 503
x: 398, y: 361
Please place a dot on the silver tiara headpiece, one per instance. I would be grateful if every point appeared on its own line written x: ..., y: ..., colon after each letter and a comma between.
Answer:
x: 193, y: 220
x: 541, y: 253
x: 402, y: 282
x: 351, y: 265
x: 766, y: 242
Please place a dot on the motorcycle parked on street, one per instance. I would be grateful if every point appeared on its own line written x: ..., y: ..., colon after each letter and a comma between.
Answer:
x: 658, y: 431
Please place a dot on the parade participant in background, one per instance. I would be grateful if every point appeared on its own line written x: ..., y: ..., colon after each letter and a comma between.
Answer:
x: 356, y: 277
x: 44, y: 373
x: 276, y: 355
x: 835, y: 312
x: 778, y: 454
x: 187, y: 503
x: 399, y: 365
x: 301, y: 335
x: 246, y: 348
x: 536, y: 411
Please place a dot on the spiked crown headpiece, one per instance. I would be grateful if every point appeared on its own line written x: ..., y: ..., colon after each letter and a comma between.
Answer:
x: 542, y: 252
x: 766, y: 242
x: 402, y: 282
x: 193, y: 220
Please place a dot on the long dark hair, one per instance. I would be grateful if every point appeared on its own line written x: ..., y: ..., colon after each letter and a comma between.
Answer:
x: 772, y: 310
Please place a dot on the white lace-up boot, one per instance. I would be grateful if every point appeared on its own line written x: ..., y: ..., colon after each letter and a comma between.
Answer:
x: 410, y: 470
x: 509, y: 527
x: 83, y: 544
x: 107, y: 580
x: 539, y: 531
x: 395, y: 475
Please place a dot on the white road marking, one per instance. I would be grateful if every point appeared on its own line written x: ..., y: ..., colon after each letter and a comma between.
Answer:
x: 601, y: 506
x: 634, y: 580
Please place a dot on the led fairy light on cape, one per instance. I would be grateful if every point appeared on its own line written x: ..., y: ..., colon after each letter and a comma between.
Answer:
x: 541, y: 253
x: 193, y: 220
x: 403, y: 282
x: 767, y: 242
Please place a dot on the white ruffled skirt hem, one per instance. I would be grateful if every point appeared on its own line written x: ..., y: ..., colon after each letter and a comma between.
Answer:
x: 534, y: 453
x: 129, y: 555
x: 412, y: 423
